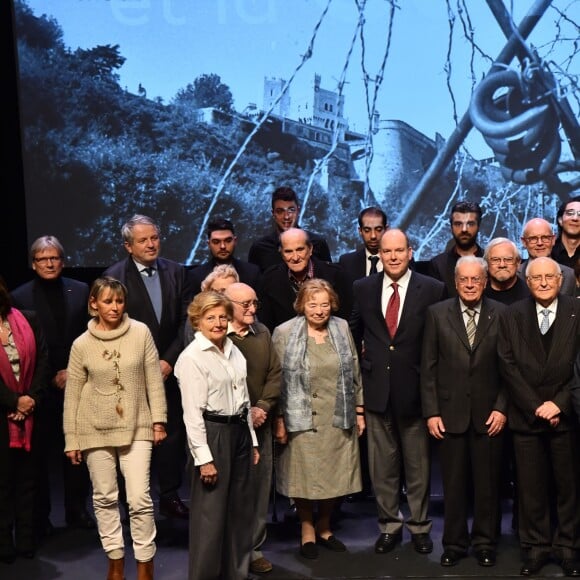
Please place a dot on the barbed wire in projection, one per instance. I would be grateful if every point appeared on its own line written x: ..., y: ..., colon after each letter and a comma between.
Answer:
x: 305, y: 57
x: 371, y: 102
x: 321, y: 163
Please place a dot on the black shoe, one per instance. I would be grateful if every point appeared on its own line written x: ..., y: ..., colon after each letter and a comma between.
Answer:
x: 309, y: 550
x: 533, y: 565
x: 571, y: 568
x: 485, y: 557
x: 422, y: 543
x: 8, y: 558
x: 331, y: 543
x: 386, y: 542
x: 28, y: 554
x: 173, y: 508
x: 81, y: 520
x: 450, y: 557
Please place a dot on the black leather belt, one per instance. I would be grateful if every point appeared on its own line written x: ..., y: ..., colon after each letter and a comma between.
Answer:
x: 230, y: 419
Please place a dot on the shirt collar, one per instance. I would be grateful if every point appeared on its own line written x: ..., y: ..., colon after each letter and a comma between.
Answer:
x: 250, y: 330
x: 552, y: 307
x: 402, y: 282
x: 142, y: 268
x: 464, y: 307
x: 206, y: 344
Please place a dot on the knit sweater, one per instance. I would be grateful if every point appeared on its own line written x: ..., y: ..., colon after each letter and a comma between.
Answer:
x: 96, y: 412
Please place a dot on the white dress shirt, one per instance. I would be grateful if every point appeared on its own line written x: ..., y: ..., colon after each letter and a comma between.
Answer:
x: 211, y: 381
x: 553, y: 308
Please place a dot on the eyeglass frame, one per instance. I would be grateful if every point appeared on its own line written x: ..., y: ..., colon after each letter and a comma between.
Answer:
x: 545, y: 239
x: 246, y: 304
x: 46, y: 259
x: 537, y: 278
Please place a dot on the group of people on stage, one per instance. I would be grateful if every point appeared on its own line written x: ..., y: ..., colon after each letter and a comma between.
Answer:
x: 356, y: 370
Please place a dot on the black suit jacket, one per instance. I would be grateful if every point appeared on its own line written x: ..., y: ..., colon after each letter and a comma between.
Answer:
x: 532, y: 375
x: 249, y: 274
x: 30, y: 296
x: 442, y: 267
x: 265, y: 252
x: 277, y: 296
x: 461, y: 384
x: 354, y: 264
x: 175, y: 294
x: 390, y: 367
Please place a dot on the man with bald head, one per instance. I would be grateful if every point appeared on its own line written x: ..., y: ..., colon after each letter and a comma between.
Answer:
x: 263, y: 378
x: 539, y: 239
x: 281, y: 282
x: 387, y: 324
x: 538, y: 341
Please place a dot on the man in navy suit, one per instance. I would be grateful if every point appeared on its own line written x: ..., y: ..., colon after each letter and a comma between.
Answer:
x: 158, y: 295
x: 372, y: 222
x: 538, y: 342
x: 465, y: 406
x: 387, y: 323
x: 61, y: 306
x: 221, y: 241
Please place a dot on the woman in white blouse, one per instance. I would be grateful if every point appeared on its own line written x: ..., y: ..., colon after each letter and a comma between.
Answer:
x: 212, y: 378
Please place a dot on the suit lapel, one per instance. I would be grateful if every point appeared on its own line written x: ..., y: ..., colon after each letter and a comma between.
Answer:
x: 527, y: 320
x: 562, y: 330
x: 455, y: 319
x: 486, y: 316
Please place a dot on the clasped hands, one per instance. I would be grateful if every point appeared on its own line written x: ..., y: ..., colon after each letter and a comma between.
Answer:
x: 549, y: 411
x: 24, y: 407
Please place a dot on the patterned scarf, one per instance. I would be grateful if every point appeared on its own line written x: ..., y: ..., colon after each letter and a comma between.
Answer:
x: 295, y: 396
x: 19, y: 432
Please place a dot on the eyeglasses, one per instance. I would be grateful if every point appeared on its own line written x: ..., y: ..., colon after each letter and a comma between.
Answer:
x: 475, y: 280
x: 572, y: 213
x: 47, y: 259
x: 497, y: 261
x: 549, y: 278
x: 247, y: 304
x: 285, y: 210
x: 536, y: 239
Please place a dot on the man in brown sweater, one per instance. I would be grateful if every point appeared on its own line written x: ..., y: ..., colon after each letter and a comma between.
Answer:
x: 263, y: 379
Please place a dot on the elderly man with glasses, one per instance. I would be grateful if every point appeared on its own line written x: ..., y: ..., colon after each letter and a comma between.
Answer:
x: 539, y: 240
x: 538, y: 343
x: 263, y: 378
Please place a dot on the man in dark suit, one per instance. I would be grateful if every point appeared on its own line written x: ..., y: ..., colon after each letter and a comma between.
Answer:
x: 158, y: 295
x: 280, y: 283
x: 61, y: 307
x: 221, y: 240
x: 465, y: 220
x: 538, y: 343
x: 372, y: 222
x: 264, y: 252
x: 465, y: 406
x: 387, y: 323
x: 539, y: 240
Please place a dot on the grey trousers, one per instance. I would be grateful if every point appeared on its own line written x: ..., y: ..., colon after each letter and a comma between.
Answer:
x: 221, y: 518
x: 395, y: 443
x: 262, y: 487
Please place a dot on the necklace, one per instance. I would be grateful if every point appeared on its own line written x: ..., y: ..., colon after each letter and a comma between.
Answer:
x: 114, y: 356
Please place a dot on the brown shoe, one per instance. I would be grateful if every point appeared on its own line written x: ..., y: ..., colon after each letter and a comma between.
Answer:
x: 260, y: 566
x: 116, y: 569
x: 145, y: 570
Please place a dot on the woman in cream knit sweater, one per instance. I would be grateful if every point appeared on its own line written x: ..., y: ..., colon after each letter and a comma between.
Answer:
x: 114, y: 411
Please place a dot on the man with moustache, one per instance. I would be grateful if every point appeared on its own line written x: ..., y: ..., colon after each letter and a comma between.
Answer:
x: 503, y: 259
x: 264, y: 252
x: 539, y: 240
x: 263, y: 378
x: 221, y: 241
x: 465, y: 406
x: 465, y: 220
x: 281, y: 283
x: 566, y: 250
x: 538, y: 343
x: 372, y: 222
x: 158, y: 295
x: 388, y: 318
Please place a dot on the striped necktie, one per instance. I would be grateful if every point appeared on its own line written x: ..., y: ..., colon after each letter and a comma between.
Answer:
x: 471, y: 327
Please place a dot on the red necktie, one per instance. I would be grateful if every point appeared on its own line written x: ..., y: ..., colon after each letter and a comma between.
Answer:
x: 392, y: 313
